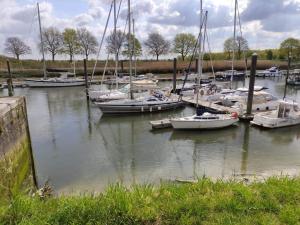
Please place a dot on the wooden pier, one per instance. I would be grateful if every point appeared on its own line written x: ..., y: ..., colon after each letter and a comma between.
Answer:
x: 211, y: 105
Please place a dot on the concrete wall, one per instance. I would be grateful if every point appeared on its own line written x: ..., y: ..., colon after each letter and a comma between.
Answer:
x: 15, y: 148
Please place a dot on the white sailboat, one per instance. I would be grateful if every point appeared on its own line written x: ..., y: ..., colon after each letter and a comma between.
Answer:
x: 63, y: 81
x: 205, y: 121
x: 287, y: 114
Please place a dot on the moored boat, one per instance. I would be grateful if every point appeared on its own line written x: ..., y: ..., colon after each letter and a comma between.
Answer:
x: 287, y: 114
x: 271, y: 72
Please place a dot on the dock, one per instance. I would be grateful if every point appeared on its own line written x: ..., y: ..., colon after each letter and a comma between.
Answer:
x: 160, y: 124
x: 211, y: 105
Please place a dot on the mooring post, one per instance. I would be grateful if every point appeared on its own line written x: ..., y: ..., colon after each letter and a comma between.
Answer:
x: 122, y: 66
x: 251, y: 84
x: 174, y: 74
x: 9, y: 81
x: 86, y: 80
x: 196, y: 66
x: 287, y: 76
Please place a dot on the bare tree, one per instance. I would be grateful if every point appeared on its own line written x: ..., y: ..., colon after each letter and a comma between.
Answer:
x: 70, y: 43
x: 17, y: 47
x: 184, y: 44
x: 115, y: 45
x: 157, y: 45
x: 87, y: 41
x: 53, y: 41
x: 240, y: 45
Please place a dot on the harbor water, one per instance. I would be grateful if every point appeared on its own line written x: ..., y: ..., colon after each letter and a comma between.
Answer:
x: 77, y: 149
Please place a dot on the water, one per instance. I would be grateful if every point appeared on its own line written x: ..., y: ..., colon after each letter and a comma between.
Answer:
x: 77, y: 150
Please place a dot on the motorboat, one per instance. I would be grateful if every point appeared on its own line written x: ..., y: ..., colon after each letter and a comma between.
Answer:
x: 226, y: 75
x: 294, y: 78
x: 205, y: 121
x: 262, y: 101
x: 271, y: 72
x: 287, y: 114
x: 63, y: 81
x: 145, y: 104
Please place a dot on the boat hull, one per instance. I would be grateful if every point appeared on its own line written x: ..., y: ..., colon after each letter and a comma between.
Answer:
x: 201, y: 125
x: 137, y: 108
x: 278, y: 123
x: 51, y: 84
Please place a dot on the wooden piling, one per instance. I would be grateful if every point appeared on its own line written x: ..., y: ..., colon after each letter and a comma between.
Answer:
x: 174, y: 74
x: 86, y: 80
x: 122, y: 66
x: 251, y: 84
x: 196, y: 65
x: 287, y: 76
x: 9, y: 81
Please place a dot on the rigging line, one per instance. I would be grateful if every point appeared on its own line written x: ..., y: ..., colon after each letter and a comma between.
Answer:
x: 104, y: 71
x: 191, y: 60
x: 209, y: 50
x: 119, y: 10
x: 102, y: 40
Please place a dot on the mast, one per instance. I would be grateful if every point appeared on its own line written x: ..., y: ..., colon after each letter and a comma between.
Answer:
x: 130, y: 49
x: 234, y: 43
x: 42, y: 42
x: 200, y: 53
x: 116, y: 44
x: 134, y: 53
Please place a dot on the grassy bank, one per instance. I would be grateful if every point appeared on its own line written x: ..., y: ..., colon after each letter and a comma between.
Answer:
x: 32, y: 68
x: 276, y: 201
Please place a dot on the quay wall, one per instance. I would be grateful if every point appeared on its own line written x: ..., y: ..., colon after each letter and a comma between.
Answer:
x: 16, y: 159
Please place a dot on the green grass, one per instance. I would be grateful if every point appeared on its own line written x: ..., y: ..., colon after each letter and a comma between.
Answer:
x: 276, y: 201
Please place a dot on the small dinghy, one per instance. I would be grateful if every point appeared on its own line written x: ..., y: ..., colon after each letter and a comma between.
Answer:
x: 205, y: 120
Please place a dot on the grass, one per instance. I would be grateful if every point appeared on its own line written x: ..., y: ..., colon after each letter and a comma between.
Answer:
x: 275, y: 201
x: 33, y: 68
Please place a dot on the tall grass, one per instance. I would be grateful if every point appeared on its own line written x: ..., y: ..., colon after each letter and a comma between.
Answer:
x: 276, y: 201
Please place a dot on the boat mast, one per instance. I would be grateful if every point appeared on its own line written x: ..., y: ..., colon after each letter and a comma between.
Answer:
x: 200, y: 54
x: 116, y: 44
x: 130, y: 49
x: 134, y: 53
x: 42, y: 42
x: 233, y: 43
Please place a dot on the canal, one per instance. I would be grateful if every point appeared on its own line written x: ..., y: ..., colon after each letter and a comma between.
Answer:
x: 77, y: 149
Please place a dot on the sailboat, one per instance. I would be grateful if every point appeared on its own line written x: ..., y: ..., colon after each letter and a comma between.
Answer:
x: 63, y: 81
x: 151, y: 103
x: 294, y: 78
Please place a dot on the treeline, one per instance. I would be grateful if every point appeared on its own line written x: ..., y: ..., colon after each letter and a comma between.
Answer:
x: 73, y: 42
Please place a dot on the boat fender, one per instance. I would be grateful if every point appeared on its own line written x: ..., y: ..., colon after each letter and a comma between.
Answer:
x: 142, y: 109
x: 159, y: 107
x: 150, y: 109
x: 208, y: 92
x: 234, y: 115
x: 201, y: 92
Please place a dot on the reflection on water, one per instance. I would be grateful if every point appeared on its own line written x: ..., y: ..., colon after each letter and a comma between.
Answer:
x: 79, y: 150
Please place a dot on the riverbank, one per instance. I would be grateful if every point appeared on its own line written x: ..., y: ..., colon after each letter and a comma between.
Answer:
x: 275, y: 201
x: 33, y: 68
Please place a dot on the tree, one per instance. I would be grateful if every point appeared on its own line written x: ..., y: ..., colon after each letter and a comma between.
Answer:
x: 87, y: 41
x: 136, y: 47
x: 240, y: 46
x: 70, y: 43
x: 184, y: 44
x: 53, y: 41
x: 114, y: 42
x: 17, y: 47
x: 269, y: 54
x: 157, y: 45
x: 290, y: 46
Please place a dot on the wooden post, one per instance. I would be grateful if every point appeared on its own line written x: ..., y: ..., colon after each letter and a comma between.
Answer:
x: 9, y: 81
x: 287, y: 76
x: 251, y: 84
x: 122, y: 66
x: 174, y: 75
x: 197, y: 64
x: 86, y: 80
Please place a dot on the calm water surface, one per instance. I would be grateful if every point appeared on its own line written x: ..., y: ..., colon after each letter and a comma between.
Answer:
x: 78, y: 150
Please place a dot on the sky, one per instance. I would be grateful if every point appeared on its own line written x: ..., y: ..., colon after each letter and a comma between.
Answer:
x: 265, y: 23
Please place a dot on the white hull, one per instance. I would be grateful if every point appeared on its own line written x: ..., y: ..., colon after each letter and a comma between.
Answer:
x: 54, y: 83
x: 188, y: 123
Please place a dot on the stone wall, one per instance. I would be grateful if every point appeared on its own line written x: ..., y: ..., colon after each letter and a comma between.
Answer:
x: 16, y: 161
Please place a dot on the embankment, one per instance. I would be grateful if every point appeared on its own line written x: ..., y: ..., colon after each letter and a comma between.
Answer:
x: 15, y: 148
x: 275, y: 201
